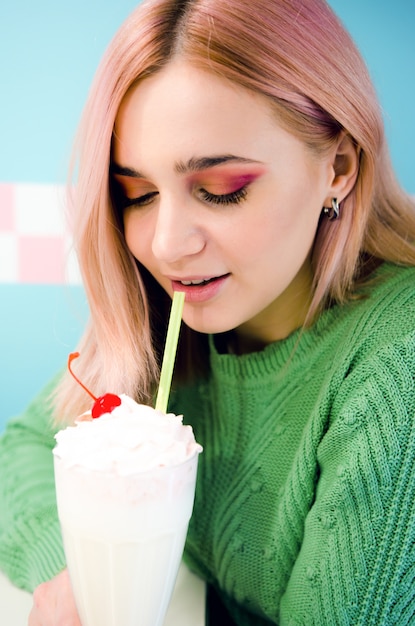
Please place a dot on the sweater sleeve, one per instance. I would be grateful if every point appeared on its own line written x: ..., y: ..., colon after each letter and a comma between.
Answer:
x: 356, y: 565
x: 30, y: 540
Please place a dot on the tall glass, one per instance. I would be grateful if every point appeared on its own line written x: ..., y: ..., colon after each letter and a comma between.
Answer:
x: 124, y: 537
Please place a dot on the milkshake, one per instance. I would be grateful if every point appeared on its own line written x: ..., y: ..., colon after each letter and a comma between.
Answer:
x: 125, y: 487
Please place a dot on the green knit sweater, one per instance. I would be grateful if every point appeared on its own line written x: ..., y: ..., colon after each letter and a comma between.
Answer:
x: 305, y: 504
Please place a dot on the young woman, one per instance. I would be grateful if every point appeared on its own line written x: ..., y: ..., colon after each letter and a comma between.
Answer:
x: 235, y: 151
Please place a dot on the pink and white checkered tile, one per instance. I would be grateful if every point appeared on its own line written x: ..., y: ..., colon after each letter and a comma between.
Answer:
x: 35, y: 244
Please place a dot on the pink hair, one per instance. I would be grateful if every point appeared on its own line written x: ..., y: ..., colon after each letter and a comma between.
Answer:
x: 298, y: 55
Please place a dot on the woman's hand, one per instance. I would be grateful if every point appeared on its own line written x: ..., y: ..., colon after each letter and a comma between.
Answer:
x: 54, y: 604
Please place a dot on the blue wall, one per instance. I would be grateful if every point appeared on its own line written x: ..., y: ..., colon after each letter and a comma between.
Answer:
x: 49, y: 51
x: 40, y: 326
x: 48, y: 54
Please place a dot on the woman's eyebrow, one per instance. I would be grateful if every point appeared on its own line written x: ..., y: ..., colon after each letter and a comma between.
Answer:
x: 124, y: 171
x: 197, y: 164
x: 194, y: 164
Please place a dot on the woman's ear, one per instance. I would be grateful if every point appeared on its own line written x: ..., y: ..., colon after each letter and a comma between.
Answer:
x: 345, y: 167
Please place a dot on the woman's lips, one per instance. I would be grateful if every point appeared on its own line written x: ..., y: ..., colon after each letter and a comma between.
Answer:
x: 200, y: 289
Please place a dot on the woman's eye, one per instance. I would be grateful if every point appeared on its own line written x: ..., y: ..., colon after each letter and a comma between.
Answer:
x: 233, y: 197
x: 139, y: 201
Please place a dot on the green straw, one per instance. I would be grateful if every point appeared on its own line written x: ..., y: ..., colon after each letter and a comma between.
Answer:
x: 170, y: 351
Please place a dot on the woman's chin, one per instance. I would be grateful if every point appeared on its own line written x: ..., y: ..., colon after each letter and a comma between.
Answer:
x: 207, y: 327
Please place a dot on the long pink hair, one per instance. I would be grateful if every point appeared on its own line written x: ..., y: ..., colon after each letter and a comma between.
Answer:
x: 295, y: 52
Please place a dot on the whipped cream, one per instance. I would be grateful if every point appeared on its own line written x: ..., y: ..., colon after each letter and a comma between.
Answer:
x: 132, y: 438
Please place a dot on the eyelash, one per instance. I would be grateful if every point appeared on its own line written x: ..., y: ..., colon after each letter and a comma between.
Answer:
x: 235, y: 197
x: 140, y: 201
x: 224, y: 199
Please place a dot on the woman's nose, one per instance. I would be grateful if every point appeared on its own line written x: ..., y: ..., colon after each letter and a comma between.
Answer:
x: 176, y: 233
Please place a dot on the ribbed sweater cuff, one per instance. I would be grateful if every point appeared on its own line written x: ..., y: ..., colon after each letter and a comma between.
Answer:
x: 39, y: 556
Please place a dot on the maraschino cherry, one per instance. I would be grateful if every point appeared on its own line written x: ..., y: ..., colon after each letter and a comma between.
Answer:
x: 103, y: 404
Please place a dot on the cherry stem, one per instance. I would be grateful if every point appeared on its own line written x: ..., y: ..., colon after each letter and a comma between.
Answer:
x: 71, y: 357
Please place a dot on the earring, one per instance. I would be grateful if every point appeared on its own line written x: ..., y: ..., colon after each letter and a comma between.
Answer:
x: 333, y: 212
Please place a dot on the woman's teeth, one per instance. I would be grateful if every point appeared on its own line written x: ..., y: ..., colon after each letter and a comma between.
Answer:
x: 187, y: 283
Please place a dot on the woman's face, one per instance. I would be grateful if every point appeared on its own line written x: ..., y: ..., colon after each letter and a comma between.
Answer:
x: 221, y: 202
